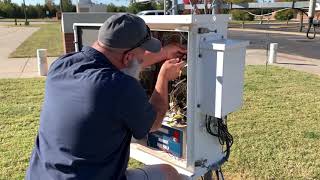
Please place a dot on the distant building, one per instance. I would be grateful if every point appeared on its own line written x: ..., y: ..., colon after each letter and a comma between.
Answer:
x: 88, y: 6
x: 48, y: 2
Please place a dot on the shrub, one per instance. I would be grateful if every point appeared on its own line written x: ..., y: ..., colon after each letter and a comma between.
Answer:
x: 241, y: 15
x: 284, y: 15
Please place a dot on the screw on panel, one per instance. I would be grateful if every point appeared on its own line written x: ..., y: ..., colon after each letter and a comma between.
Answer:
x: 200, y: 55
x: 198, y: 105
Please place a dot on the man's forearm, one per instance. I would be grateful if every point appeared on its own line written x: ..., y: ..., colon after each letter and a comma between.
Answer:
x: 159, y: 100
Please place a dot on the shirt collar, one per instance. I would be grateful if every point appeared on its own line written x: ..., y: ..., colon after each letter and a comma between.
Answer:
x: 96, y: 56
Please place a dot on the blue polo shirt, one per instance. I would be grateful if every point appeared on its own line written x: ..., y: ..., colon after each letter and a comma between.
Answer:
x: 90, y: 112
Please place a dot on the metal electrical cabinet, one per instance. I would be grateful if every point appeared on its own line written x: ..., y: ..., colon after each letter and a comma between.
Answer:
x: 215, y: 70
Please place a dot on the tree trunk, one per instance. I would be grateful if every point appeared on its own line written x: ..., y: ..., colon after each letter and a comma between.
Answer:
x: 301, y: 21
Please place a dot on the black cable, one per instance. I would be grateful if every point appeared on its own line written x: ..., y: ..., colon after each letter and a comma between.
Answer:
x: 222, y: 177
x: 217, y: 174
x: 299, y: 9
x: 225, y: 138
x: 221, y: 128
x: 309, y: 29
x: 310, y: 24
x: 221, y: 132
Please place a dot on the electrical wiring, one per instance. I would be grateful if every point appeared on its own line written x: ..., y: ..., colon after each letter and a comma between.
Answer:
x: 181, y: 35
x: 177, y: 97
x: 218, y: 127
x: 219, y: 174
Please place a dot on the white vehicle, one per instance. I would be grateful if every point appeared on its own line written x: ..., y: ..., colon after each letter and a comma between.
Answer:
x: 151, y: 12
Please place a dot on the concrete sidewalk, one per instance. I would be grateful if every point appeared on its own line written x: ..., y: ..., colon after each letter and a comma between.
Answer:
x: 21, y: 67
x: 11, y: 38
x: 27, y: 67
x: 259, y: 57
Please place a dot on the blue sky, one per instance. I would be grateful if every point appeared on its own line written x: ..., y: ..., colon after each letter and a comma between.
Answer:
x: 116, y: 2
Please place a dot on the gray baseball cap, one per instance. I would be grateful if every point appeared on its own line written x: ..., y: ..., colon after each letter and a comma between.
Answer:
x: 127, y: 31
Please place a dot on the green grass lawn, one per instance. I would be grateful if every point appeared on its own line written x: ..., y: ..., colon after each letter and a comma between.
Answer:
x: 49, y: 37
x: 276, y: 133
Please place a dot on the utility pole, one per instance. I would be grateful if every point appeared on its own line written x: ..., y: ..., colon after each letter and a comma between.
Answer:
x: 25, y: 13
x: 61, y: 7
x: 174, y: 7
x: 261, y: 18
x: 312, y: 8
x: 167, y: 6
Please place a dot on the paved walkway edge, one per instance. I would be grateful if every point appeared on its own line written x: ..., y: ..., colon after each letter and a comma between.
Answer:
x: 268, y: 31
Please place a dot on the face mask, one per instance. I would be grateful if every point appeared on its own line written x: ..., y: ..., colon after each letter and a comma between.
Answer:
x: 134, y: 69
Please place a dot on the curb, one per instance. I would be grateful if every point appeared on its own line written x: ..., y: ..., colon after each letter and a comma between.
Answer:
x: 298, y: 58
x: 284, y: 55
x: 268, y: 31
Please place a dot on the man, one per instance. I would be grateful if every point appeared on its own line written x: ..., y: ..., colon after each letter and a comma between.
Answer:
x: 94, y: 104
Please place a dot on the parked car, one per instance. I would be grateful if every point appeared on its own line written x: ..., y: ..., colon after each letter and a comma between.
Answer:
x: 151, y: 12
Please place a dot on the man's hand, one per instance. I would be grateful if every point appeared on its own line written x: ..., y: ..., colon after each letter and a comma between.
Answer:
x: 170, y: 69
x: 168, y: 52
x: 173, y: 51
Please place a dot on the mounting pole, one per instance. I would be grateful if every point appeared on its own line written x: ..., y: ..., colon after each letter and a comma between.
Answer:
x: 312, y: 8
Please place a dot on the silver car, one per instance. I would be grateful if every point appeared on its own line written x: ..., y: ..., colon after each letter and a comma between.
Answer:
x: 151, y: 12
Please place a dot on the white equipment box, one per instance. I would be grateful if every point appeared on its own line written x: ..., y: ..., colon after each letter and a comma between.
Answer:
x: 214, y: 86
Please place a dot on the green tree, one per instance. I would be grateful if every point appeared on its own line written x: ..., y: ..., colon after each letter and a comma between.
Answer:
x: 18, y: 11
x: 67, y: 6
x: 112, y: 8
x: 13, y: 10
x: 8, y: 10
x: 122, y: 9
x: 241, y: 15
x: 137, y: 7
x: 160, y: 5
x: 40, y: 11
x: 32, y: 12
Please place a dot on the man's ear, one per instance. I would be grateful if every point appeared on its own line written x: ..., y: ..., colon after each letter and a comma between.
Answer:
x: 126, y: 59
